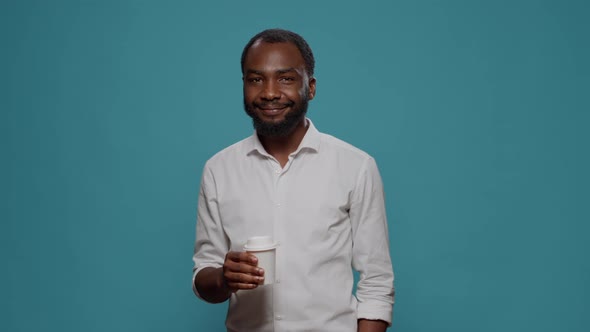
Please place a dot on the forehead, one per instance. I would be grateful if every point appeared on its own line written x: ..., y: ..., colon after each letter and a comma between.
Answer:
x: 273, y: 56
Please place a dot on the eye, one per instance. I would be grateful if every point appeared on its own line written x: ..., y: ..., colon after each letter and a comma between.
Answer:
x: 287, y: 79
x: 254, y: 79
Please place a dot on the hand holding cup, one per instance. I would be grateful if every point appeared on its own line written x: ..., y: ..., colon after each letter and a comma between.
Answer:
x: 264, y: 248
x: 240, y: 271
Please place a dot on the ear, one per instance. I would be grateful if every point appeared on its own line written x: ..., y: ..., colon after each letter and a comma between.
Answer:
x: 311, y: 88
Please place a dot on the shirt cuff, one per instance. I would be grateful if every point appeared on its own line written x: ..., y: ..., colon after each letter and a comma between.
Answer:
x: 375, y: 311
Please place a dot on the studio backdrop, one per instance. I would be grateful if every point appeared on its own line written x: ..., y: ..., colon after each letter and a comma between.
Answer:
x: 475, y: 111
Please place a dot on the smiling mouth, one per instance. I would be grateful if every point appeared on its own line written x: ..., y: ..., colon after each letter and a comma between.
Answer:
x: 272, y: 110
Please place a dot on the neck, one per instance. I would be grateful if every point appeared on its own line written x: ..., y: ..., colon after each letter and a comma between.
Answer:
x: 282, y: 147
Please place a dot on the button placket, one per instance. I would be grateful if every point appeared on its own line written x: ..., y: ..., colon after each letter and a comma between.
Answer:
x: 279, y: 181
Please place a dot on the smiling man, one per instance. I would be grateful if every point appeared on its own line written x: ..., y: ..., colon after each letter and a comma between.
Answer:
x: 320, y: 198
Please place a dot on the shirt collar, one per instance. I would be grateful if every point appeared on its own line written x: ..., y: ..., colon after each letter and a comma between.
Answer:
x: 311, y: 141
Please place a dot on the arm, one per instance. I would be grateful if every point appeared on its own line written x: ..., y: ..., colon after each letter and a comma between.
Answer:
x: 366, y: 325
x: 370, y: 256
x: 217, y: 273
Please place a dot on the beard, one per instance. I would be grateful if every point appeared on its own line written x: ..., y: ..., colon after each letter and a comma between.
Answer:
x: 282, y: 128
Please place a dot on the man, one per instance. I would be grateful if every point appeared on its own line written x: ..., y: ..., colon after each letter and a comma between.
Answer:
x: 320, y: 198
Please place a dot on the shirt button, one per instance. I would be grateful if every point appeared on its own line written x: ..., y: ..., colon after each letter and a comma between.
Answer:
x: 278, y: 281
x: 278, y: 171
x: 279, y: 317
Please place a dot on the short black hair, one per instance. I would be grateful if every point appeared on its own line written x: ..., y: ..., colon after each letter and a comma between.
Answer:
x: 283, y: 36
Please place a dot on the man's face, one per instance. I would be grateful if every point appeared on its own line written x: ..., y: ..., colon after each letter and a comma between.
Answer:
x: 276, y: 88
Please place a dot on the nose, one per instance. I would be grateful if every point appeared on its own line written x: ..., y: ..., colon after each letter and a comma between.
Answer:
x: 270, y: 91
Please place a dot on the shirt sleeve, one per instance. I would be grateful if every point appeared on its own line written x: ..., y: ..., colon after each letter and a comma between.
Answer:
x: 370, y: 255
x: 211, y: 243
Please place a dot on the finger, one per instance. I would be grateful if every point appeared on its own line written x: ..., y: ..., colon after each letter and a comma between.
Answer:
x: 242, y: 256
x: 233, y: 256
x: 233, y: 279
x: 233, y: 267
x: 234, y: 287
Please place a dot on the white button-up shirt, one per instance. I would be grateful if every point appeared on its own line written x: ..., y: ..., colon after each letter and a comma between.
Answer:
x: 326, y: 210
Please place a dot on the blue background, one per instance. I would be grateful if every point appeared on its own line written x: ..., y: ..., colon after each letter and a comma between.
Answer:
x: 476, y: 112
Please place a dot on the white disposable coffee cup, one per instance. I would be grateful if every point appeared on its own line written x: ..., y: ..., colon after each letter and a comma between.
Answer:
x: 264, y: 248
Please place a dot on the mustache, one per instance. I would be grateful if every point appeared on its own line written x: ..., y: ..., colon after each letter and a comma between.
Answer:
x: 273, y: 105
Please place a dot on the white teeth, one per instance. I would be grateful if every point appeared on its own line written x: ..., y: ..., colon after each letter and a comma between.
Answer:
x: 272, y: 111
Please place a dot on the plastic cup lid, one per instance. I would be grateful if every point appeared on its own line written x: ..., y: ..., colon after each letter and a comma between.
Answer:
x: 259, y: 243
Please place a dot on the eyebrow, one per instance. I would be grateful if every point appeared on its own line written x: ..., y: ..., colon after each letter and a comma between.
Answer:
x: 252, y: 71
x: 278, y: 71
x: 284, y: 71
